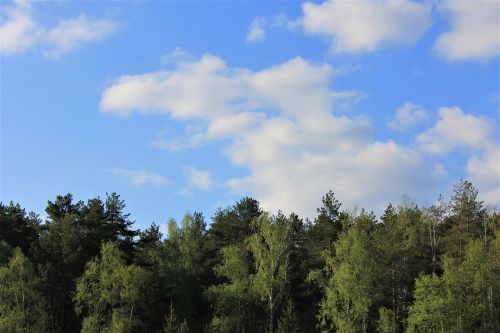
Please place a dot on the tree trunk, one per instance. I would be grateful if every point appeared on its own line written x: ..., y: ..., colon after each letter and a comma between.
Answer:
x: 271, y: 314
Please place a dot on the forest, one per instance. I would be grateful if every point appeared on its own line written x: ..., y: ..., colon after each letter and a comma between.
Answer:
x: 85, y: 268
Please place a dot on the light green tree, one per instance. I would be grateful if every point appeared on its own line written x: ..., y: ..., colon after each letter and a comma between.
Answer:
x: 22, y: 308
x: 234, y: 299
x: 430, y: 311
x: 465, y: 298
x: 270, y: 247
x: 474, y: 285
x: 386, y: 322
x: 112, y: 296
x: 350, y: 289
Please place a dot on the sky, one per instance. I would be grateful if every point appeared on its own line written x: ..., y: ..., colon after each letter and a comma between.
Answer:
x: 183, y: 106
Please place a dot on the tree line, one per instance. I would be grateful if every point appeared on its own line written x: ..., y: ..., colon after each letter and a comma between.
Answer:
x: 414, y: 269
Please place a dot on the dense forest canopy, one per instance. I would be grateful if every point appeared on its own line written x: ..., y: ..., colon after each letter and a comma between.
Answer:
x: 415, y: 269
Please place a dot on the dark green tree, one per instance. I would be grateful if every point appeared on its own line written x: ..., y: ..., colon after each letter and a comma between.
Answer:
x: 17, y: 228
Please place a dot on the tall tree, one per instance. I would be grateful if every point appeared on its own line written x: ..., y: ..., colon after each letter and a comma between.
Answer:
x: 466, y: 220
x: 270, y: 247
x: 112, y: 296
x: 234, y: 301
x: 402, y: 242
x: 465, y: 298
x: 22, y: 308
x: 325, y: 230
x: 183, y: 268
x: 350, y: 286
x: 435, y: 217
x: 17, y: 228
x: 430, y: 311
x: 231, y: 226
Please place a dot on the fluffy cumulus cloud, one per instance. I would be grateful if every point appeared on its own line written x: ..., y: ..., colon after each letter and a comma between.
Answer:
x: 139, y: 178
x: 407, y: 116
x: 454, y: 129
x: 364, y: 26
x: 484, y: 171
x: 20, y: 32
x: 280, y: 124
x: 474, y: 32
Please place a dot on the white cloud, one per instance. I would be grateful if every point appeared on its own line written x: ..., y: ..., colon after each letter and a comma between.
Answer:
x: 70, y: 34
x: 176, y: 56
x: 407, y: 116
x: 484, y: 172
x: 364, y: 26
x: 456, y: 129
x: 256, y: 30
x: 20, y: 32
x: 280, y: 124
x: 199, y: 179
x: 474, y: 31
x: 139, y: 178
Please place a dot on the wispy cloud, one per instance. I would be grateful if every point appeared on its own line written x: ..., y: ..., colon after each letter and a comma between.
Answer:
x: 176, y: 56
x: 139, y: 178
x: 20, y: 32
x: 408, y: 115
x: 71, y: 34
x: 200, y: 179
x: 256, y: 30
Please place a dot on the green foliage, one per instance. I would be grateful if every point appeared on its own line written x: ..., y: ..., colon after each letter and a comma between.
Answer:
x: 112, y: 296
x: 5, y: 252
x: 288, y: 322
x: 465, y: 223
x: 430, y: 311
x: 270, y: 247
x: 386, y: 322
x: 402, y: 242
x: 433, y: 269
x: 18, y: 229
x: 474, y: 285
x: 22, y: 307
x: 230, y: 226
x: 350, y: 291
x: 233, y: 300
x: 183, y: 269
x: 465, y: 298
x: 172, y: 323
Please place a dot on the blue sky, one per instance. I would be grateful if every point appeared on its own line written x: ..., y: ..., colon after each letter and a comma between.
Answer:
x: 183, y: 106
